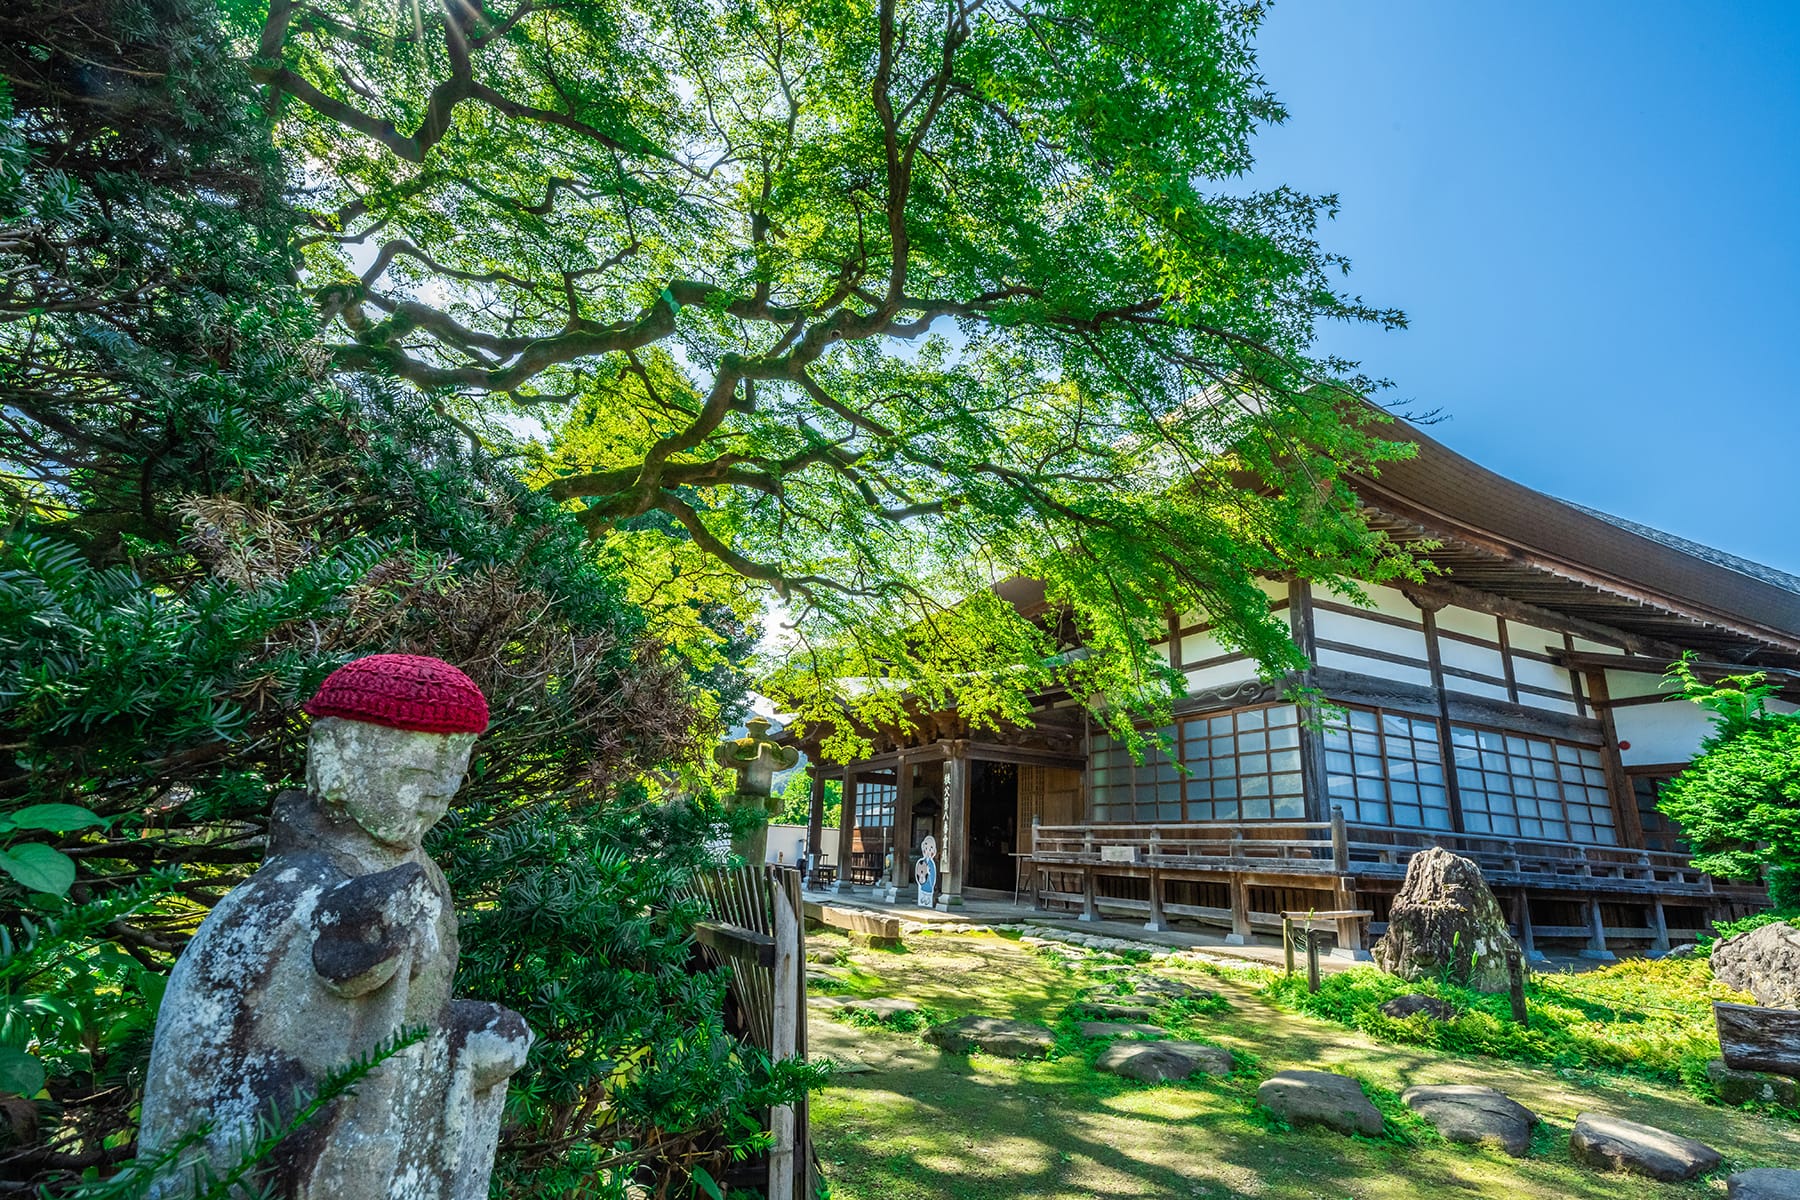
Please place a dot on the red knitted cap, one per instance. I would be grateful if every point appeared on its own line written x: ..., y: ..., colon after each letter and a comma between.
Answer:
x: 403, y: 691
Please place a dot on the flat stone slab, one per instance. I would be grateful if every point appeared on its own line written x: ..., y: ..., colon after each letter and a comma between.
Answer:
x: 1465, y: 1113
x: 1764, y: 1183
x: 1611, y: 1144
x: 996, y: 1035
x: 1106, y: 1029
x: 1752, y: 1087
x: 1161, y: 1062
x: 1401, y: 1007
x: 883, y: 1007
x: 1174, y: 989
x: 1320, y: 1098
x: 1117, y: 1010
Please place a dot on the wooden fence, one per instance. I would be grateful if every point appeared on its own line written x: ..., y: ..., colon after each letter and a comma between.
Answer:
x: 754, y: 928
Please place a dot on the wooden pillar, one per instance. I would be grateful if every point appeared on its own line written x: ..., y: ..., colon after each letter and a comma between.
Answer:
x: 1596, y: 947
x: 846, y: 830
x: 1527, y: 942
x: 1349, y: 929
x: 788, y: 1013
x: 955, y: 850
x: 1156, y: 923
x: 1090, y: 901
x: 902, y: 878
x: 1452, y: 789
x: 1618, y: 785
x: 1240, y: 912
x: 1037, y: 893
x: 1312, y: 743
x: 815, y: 822
x: 1659, y: 925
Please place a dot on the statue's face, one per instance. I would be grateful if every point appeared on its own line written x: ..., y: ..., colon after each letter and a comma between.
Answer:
x: 395, y: 783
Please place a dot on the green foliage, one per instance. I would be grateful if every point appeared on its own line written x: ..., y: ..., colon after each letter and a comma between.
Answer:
x: 1651, y: 1018
x: 796, y: 801
x: 873, y: 305
x: 1738, y: 802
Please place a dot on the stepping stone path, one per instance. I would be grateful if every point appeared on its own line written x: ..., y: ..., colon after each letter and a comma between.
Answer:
x: 1610, y: 1144
x: 1320, y: 1098
x: 1465, y: 1113
x: 1401, y: 1007
x: 1160, y: 1062
x: 1105, y: 1029
x: 996, y: 1035
x: 1764, y: 1183
x: 1746, y: 1087
x: 822, y: 954
x: 1174, y: 989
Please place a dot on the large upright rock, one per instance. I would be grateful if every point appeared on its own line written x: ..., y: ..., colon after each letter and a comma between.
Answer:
x: 343, y: 940
x: 1446, y: 923
x: 1764, y: 962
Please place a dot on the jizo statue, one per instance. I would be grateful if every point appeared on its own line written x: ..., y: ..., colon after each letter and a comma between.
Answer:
x: 345, y: 938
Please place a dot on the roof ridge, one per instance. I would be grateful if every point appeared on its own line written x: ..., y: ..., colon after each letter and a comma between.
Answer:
x: 1774, y: 576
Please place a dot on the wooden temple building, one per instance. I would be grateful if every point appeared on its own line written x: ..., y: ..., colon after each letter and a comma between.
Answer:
x: 1511, y: 709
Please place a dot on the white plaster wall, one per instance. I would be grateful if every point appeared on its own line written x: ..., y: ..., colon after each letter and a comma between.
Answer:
x: 1471, y: 687
x: 1340, y: 661
x: 1542, y: 674
x: 1391, y: 601
x: 1372, y: 635
x: 1471, y: 658
x: 1468, y: 621
x: 1529, y: 637
x: 1198, y: 647
x: 1621, y: 685
x: 785, y: 842
x: 1661, y: 733
x: 1237, y: 671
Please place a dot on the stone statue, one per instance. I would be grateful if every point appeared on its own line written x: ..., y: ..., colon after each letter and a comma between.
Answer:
x: 342, y: 940
x: 756, y: 757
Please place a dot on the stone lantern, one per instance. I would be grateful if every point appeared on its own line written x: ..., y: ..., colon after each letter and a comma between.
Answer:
x: 755, y: 757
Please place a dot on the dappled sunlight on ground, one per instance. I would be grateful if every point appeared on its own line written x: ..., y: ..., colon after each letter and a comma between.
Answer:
x: 922, y: 1124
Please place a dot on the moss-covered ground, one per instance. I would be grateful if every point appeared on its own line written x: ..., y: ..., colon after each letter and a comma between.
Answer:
x: 906, y: 1121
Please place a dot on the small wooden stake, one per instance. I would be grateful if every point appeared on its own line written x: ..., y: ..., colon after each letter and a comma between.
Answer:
x: 1287, y: 941
x: 1515, y: 979
x: 1312, y: 959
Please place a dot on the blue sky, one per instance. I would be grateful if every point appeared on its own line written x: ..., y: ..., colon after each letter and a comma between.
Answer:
x: 1590, y: 211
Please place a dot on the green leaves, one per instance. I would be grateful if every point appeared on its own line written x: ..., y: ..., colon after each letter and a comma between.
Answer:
x: 21, y: 1074
x: 54, y: 818
x: 38, y: 867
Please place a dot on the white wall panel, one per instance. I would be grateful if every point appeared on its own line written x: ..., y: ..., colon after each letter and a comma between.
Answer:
x: 1198, y: 647
x: 1392, y: 601
x: 1237, y: 671
x: 1547, y: 703
x: 1471, y: 687
x: 1582, y: 643
x: 1338, y: 660
x: 1372, y: 635
x: 1468, y: 621
x: 1661, y: 733
x: 1541, y: 674
x: 1529, y: 637
x: 1471, y: 658
x: 1623, y: 684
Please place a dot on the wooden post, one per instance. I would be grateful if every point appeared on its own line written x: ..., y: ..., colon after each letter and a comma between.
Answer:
x: 815, y: 824
x: 1090, y: 902
x: 846, y: 832
x: 1287, y: 942
x: 1515, y: 986
x: 1526, y: 941
x: 1659, y: 925
x: 1340, y: 841
x: 1349, y: 929
x: 1312, y: 957
x: 1240, y: 912
x: 901, y: 880
x: 1596, y: 947
x: 1156, y: 923
x: 789, y: 1011
x: 954, y: 853
x: 1037, y: 893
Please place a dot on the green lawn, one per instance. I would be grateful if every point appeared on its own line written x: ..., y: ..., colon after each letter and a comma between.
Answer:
x: 919, y: 1123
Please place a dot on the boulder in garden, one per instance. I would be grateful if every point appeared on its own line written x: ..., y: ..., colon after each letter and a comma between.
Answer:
x: 1612, y: 1144
x: 1446, y: 923
x: 995, y: 1035
x: 1764, y: 962
x: 1465, y: 1113
x: 1320, y: 1098
x: 1401, y: 1007
x: 1764, y: 1183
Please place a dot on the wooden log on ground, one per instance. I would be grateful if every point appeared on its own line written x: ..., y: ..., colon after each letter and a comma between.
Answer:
x: 1752, y: 1038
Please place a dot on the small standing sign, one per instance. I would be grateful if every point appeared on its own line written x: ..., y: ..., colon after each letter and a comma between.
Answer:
x: 925, y: 872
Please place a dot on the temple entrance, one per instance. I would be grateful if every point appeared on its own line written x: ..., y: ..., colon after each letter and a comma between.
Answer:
x: 993, y: 825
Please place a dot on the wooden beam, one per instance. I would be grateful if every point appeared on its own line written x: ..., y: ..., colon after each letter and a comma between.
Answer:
x: 1438, y: 593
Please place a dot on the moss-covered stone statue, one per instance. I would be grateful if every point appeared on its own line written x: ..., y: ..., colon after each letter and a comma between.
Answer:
x: 345, y: 938
x: 756, y: 757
